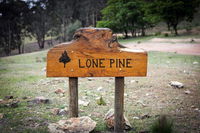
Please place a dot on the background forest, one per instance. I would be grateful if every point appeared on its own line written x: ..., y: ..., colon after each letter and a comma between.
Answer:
x: 58, y: 19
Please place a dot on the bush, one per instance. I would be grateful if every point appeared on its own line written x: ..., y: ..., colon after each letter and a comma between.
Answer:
x: 158, y: 33
x: 166, y: 34
x: 71, y: 28
x: 162, y: 125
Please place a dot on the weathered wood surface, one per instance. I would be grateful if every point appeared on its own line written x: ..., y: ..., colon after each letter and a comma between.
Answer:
x: 119, y: 105
x: 95, y: 52
x: 73, y: 97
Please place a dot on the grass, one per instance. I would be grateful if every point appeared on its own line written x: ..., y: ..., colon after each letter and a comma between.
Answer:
x: 32, y: 39
x: 22, y: 76
x: 146, y: 38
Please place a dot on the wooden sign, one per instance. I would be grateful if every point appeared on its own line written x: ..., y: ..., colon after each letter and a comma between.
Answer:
x: 95, y: 52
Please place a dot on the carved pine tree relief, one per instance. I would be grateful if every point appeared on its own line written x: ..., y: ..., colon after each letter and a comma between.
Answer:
x: 64, y: 58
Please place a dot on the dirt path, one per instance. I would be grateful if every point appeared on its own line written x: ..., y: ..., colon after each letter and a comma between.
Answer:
x: 181, y: 46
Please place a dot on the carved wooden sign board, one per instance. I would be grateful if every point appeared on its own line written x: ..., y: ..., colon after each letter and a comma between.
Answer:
x: 94, y: 52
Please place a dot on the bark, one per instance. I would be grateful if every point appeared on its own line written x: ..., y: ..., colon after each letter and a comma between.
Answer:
x: 19, y: 49
x: 126, y: 33
x: 143, y: 31
x: 175, y: 29
x: 41, y: 43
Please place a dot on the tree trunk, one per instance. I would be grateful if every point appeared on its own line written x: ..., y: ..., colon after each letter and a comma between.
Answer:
x: 7, y: 51
x: 19, y: 49
x: 93, y: 19
x: 41, y: 44
x: 168, y: 26
x: 133, y: 33
x: 143, y: 31
x: 126, y: 33
x: 175, y: 29
x: 23, y: 47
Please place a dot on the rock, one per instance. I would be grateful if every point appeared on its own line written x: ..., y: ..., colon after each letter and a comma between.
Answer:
x: 59, y: 91
x: 9, y: 103
x: 63, y: 112
x: 100, y: 88
x: 136, y: 118
x: 44, y: 69
x: 134, y: 81
x: 55, y: 111
x: 196, y: 109
x: 39, y: 100
x: 24, y: 97
x: 38, y: 59
x: 90, y: 79
x: 192, y: 40
x: 109, y: 118
x: 141, y: 102
x: 84, y: 103
x: 176, y: 84
x: 187, y: 92
x: 195, y: 63
x: 1, y: 116
x: 1, y: 101
x: 13, y: 104
x: 100, y: 101
x: 82, y: 124
x: 145, y: 116
x: 8, y: 97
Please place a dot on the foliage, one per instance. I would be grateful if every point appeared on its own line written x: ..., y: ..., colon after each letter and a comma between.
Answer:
x: 174, y: 11
x: 44, y: 17
x: 66, y: 12
x: 126, y: 16
x: 100, y: 101
x: 13, y: 19
x: 162, y: 125
x: 71, y: 28
x: 39, y: 22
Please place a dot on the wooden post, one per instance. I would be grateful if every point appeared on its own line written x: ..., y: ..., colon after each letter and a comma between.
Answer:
x: 119, y: 104
x: 73, y: 97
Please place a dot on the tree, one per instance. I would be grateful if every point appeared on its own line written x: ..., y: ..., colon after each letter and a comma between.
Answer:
x: 66, y: 12
x: 63, y: 12
x: 13, y: 27
x: 126, y: 16
x: 39, y: 22
x: 174, y: 11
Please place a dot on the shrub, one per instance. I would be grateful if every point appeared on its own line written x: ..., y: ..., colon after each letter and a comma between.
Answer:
x: 162, y: 125
x: 166, y: 34
x: 158, y: 33
x: 71, y: 28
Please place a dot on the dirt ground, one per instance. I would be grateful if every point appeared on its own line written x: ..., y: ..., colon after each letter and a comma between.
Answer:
x: 188, y: 46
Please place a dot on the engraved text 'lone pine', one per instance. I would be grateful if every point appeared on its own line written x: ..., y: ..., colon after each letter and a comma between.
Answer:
x: 95, y: 52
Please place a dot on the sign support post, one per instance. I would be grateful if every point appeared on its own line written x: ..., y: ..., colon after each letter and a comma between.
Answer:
x: 119, y: 104
x: 73, y: 97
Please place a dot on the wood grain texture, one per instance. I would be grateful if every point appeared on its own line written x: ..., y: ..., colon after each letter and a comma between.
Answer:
x: 101, y: 49
x: 119, y: 105
x: 73, y: 97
